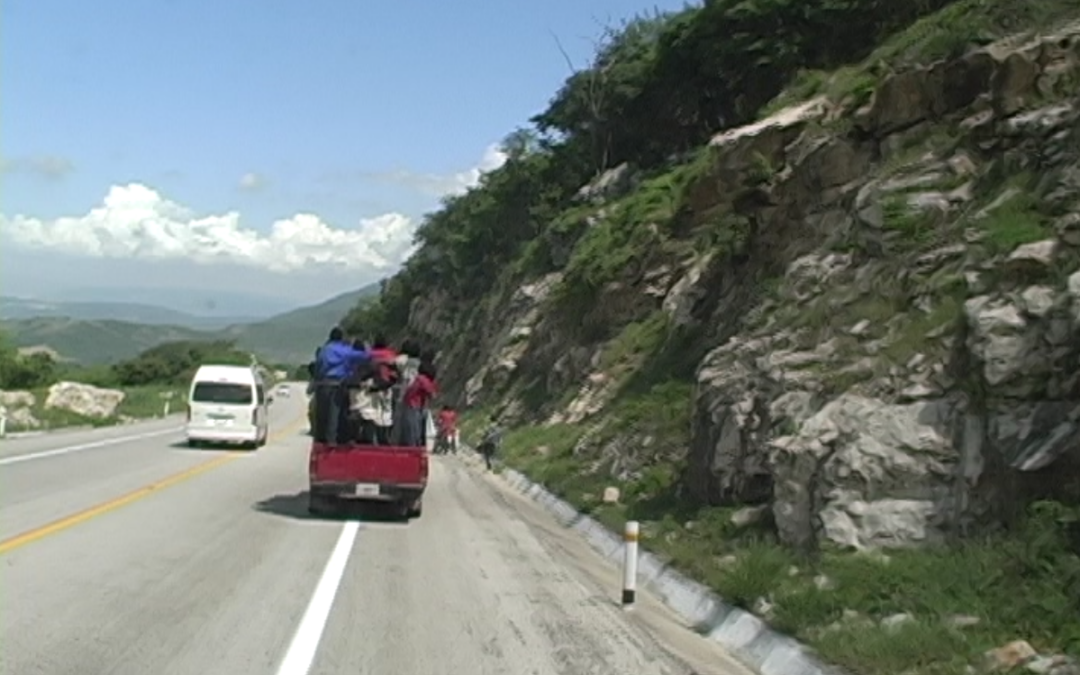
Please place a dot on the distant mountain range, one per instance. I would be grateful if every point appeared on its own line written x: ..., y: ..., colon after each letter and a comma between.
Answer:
x: 106, y: 332
x: 133, y: 312
x: 219, y: 303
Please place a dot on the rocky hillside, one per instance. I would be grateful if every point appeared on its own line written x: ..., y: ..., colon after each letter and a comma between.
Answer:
x: 854, y: 315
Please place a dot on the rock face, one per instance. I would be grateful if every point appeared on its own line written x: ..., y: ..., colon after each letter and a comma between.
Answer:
x: 914, y: 413
x: 17, y: 407
x: 84, y: 399
x: 893, y: 334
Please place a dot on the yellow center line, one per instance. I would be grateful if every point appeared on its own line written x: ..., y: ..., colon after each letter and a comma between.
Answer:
x: 30, y: 536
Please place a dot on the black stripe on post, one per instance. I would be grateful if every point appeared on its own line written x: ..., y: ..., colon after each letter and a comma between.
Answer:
x: 628, y: 596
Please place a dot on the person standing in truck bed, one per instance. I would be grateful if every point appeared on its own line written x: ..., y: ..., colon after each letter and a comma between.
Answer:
x: 337, y: 361
x: 385, y: 376
x: 407, y: 362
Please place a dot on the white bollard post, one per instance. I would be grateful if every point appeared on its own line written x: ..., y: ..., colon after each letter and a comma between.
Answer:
x: 3, y: 426
x: 165, y: 411
x: 629, y: 584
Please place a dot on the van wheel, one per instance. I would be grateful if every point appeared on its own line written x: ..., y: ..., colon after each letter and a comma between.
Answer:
x: 416, y: 509
x: 192, y: 443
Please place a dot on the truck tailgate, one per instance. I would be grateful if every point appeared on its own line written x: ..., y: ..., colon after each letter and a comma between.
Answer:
x: 387, y: 465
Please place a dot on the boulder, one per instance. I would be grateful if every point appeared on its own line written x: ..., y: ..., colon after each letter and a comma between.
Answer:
x: 84, y: 399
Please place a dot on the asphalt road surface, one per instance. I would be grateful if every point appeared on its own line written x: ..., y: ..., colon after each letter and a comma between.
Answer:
x: 124, y: 552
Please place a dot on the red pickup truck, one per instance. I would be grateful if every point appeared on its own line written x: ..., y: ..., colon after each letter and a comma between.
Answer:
x: 397, y: 474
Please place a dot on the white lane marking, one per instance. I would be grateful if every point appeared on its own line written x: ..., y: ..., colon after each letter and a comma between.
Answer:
x: 86, y: 446
x: 305, y: 642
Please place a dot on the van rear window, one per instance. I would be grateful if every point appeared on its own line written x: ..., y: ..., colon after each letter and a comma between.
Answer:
x: 222, y: 392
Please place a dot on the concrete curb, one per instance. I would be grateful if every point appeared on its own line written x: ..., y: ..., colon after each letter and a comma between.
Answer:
x: 747, y: 637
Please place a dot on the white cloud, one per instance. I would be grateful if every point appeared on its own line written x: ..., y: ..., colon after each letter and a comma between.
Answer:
x: 451, y: 184
x: 252, y: 182
x: 135, y: 221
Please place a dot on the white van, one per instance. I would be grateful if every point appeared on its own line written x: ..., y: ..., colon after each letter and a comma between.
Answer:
x: 227, y: 404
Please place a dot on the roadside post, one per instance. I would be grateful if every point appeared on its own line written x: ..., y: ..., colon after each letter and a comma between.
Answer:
x: 167, y: 395
x: 630, y: 561
x: 3, y: 424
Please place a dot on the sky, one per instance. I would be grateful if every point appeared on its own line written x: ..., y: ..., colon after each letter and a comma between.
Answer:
x: 282, y: 148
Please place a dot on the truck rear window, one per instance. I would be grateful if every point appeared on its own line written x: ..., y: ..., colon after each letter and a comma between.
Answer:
x: 222, y: 392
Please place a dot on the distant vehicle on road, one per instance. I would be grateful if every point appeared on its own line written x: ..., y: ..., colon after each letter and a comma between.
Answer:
x: 283, y: 390
x: 228, y: 404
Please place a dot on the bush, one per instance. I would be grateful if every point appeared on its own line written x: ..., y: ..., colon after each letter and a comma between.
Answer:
x: 18, y: 371
x: 176, y: 361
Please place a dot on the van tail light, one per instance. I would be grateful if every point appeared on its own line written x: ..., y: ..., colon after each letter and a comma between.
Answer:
x: 254, y: 416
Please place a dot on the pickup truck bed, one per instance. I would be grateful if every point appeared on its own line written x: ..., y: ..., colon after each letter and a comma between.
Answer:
x: 397, y: 474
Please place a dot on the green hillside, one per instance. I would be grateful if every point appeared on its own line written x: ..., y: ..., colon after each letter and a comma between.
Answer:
x: 286, y: 338
x: 291, y: 337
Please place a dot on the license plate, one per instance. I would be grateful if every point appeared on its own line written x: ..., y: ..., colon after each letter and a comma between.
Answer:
x: 367, y: 490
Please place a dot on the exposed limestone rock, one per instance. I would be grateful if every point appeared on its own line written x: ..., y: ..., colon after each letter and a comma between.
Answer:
x: 611, y: 184
x: 512, y: 332
x: 896, y: 351
x: 16, y: 399
x: 679, y: 302
x: 866, y: 474
x: 84, y: 399
x: 17, y: 407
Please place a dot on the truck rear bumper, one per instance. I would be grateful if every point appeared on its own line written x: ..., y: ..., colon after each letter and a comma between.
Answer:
x: 384, y: 492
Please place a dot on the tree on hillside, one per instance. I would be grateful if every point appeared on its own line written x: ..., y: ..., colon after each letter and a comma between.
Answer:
x: 592, y: 104
x: 177, y: 361
x: 659, y: 86
x: 18, y: 371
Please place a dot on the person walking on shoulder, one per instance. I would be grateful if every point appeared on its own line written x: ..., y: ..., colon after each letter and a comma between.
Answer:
x: 490, y: 442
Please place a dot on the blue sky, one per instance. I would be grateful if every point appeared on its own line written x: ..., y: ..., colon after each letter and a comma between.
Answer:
x: 343, y: 109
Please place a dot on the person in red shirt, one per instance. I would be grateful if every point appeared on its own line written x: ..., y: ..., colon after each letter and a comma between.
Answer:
x: 417, y: 398
x: 447, y: 429
x: 386, y: 375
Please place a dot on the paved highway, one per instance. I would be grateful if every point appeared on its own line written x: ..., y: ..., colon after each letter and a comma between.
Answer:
x: 125, y: 553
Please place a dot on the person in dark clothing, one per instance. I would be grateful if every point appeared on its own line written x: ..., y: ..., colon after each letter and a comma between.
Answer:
x: 336, y: 362
x: 490, y: 442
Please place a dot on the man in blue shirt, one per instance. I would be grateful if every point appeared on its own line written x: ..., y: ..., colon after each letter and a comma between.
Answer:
x: 337, y: 360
